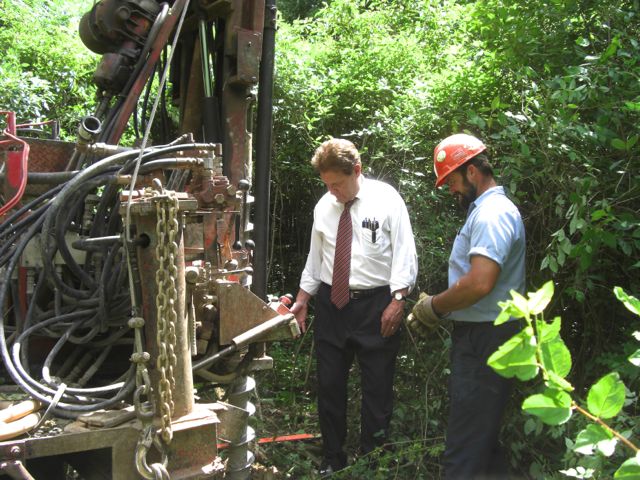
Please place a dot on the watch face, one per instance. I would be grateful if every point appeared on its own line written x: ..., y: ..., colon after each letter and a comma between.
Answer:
x: 398, y: 296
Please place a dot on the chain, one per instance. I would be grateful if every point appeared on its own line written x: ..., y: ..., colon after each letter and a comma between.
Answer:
x: 167, y: 296
x: 145, y: 410
x: 166, y: 252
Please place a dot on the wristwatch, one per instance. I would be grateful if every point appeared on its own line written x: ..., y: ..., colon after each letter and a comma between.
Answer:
x: 399, y: 297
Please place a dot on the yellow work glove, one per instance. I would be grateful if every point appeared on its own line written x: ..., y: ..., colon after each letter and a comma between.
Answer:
x: 423, y: 319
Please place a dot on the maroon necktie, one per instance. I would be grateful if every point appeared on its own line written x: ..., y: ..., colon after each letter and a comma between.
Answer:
x: 342, y: 259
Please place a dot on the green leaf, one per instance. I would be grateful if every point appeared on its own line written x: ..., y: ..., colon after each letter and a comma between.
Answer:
x: 553, y: 407
x: 516, y: 357
x: 566, y: 246
x: 514, y: 309
x: 598, y: 214
x: 556, y: 357
x: 606, y: 398
x: 635, y: 358
x: 548, y: 331
x: 578, y: 472
x: 632, y: 303
x: 633, y: 106
x: 520, y: 303
x: 595, y: 437
x: 556, y: 381
x: 619, y: 144
x: 611, y: 49
x: 502, y: 317
x: 583, y: 42
x: 539, y: 300
x: 509, y: 310
x: 530, y: 426
x: 629, y: 470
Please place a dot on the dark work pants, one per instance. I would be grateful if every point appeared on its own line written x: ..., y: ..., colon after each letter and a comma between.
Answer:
x: 341, y: 335
x: 478, y: 397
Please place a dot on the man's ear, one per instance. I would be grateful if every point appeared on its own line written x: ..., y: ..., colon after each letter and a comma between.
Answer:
x: 471, y: 173
x: 357, y: 169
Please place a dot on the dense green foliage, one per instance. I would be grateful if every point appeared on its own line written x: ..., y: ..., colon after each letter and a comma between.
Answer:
x: 551, y: 86
x: 45, y: 70
x: 539, y: 350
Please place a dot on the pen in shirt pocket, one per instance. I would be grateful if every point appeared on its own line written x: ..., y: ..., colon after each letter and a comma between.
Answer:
x: 372, y: 225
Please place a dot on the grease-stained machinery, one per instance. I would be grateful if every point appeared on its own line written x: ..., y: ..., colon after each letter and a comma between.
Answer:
x: 126, y: 272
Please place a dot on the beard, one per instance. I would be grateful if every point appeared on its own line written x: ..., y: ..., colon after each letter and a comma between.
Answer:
x: 466, y: 197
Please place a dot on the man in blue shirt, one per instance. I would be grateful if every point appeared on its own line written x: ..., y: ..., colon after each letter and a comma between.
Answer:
x: 486, y: 262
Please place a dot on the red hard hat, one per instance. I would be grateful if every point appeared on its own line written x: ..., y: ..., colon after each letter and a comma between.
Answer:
x: 452, y: 152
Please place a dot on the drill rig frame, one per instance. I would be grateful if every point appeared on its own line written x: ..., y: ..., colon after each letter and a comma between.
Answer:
x: 126, y: 273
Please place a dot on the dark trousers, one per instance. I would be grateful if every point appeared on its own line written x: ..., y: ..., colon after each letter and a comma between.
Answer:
x: 478, y: 397
x: 340, y: 336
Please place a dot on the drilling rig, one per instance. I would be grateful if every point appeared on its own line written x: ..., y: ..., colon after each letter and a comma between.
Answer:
x: 133, y: 260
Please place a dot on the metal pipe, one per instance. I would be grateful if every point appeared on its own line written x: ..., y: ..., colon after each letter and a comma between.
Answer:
x: 263, y: 151
x: 204, y: 56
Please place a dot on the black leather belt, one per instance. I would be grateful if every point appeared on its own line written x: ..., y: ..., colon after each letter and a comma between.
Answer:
x: 364, y: 293
x: 357, y: 294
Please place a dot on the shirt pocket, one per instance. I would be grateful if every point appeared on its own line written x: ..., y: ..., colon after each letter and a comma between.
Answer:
x: 459, y: 261
x: 375, y: 241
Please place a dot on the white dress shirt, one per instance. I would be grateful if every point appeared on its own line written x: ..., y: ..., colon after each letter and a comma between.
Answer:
x: 390, y: 260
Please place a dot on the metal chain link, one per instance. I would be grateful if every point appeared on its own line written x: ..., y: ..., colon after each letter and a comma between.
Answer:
x: 145, y: 410
x: 166, y: 252
x: 167, y: 296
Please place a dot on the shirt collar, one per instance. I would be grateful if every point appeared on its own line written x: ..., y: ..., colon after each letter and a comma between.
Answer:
x: 362, y: 192
x: 497, y: 190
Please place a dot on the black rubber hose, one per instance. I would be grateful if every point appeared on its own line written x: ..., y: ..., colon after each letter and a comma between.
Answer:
x: 63, y: 218
x: 70, y: 390
x: 64, y: 410
x: 7, y: 222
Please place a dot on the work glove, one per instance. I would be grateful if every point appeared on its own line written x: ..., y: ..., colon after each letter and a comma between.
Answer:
x: 423, y: 319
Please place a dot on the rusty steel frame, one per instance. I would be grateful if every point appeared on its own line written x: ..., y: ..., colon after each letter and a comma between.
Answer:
x: 191, y: 454
x: 195, y: 426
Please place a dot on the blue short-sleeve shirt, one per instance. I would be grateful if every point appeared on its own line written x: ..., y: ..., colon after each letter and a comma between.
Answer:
x: 493, y: 229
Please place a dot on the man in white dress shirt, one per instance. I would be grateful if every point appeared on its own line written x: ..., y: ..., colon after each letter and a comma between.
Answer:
x: 365, y: 325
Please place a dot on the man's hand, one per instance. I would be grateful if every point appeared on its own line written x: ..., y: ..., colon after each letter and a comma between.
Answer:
x: 300, y: 311
x: 423, y: 319
x: 391, y: 318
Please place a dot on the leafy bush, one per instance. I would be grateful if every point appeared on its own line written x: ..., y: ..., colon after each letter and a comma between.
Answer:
x: 539, y: 350
x: 45, y: 70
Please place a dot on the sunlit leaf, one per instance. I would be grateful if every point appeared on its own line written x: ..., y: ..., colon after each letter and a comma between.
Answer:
x: 539, y: 300
x: 635, y: 358
x: 549, y: 331
x: 556, y: 381
x: 502, y: 317
x: 629, y: 470
x: 578, y: 472
x: 556, y: 356
x: 595, y: 437
x: 631, y: 302
x: 553, y: 407
x: 520, y: 303
x: 516, y: 357
x: 606, y: 398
